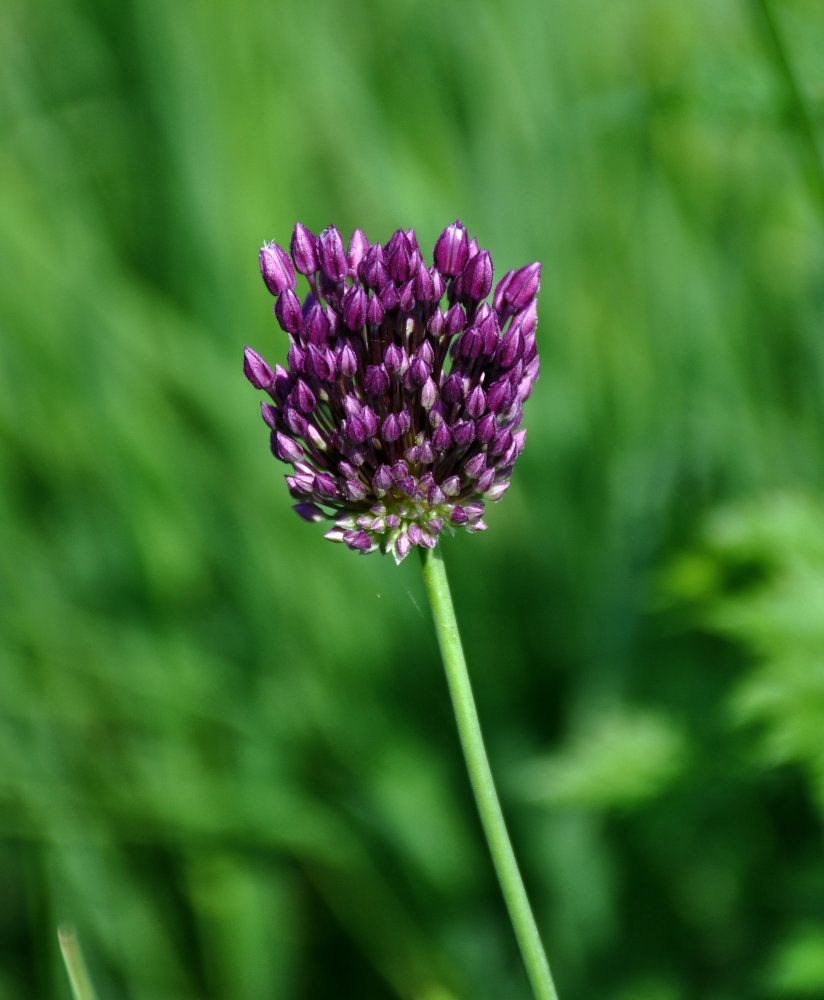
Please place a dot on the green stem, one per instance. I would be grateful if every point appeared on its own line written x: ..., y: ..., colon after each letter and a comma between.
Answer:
x: 480, y: 775
x: 79, y: 980
x: 798, y: 103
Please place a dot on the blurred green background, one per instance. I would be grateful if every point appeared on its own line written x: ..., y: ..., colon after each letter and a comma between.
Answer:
x: 226, y: 750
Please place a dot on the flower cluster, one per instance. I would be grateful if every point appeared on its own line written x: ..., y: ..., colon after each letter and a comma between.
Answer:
x: 402, y: 397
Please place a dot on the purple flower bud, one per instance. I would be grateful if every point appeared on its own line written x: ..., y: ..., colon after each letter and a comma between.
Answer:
x: 391, y: 429
x: 452, y: 389
x: 370, y: 420
x: 399, y: 258
x: 276, y: 268
x: 394, y: 359
x: 348, y: 361
x: 452, y: 249
x: 318, y: 364
x: 511, y: 347
x: 437, y: 414
x: 501, y: 441
x: 486, y: 428
x: 424, y: 290
x: 428, y: 539
x: 382, y: 481
x: 487, y: 321
x: 315, y: 324
x: 527, y: 319
x: 358, y: 540
x: 304, y: 250
x: 441, y: 438
x: 331, y: 255
x: 406, y: 297
x: 355, y: 490
x: 285, y: 448
x: 470, y: 343
x: 288, y: 312
x: 374, y: 268
x: 300, y: 485
x: 455, y: 320
x: 303, y: 397
x: 315, y: 439
x: 333, y: 320
x: 496, y: 491
x: 296, y: 359
x: 352, y: 406
x: 476, y: 465
x: 354, y: 307
x: 420, y: 454
x: 402, y: 546
x: 458, y: 515
x: 499, y: 396
x: 435, y: 496
x: 498, y: 299
x: 426, y: 353
x: 270, y: 415
x: 358, y: 248
x: 376, y: 380
x: 476, y: 402
x: 451, y: 486
x: 354, y: 430
x: 485, y: 480
x: 429, y: 393
x: 375, y: 311
x: 463, y: 432
x: 283, y: 385
x: 436, y: 324
x: 389, y: 296
x: 417, y: 374
x: 326, y: 486
x: 295, y: 421
x: 477, y: 276
x: 438, y: 285
x: 256, y: 370
x: 309, y: 512
x: 524, y: 285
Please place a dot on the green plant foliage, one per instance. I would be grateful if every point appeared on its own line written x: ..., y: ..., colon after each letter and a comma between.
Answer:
x: 614, y: 759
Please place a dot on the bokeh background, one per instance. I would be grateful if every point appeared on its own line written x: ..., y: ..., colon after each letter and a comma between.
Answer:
x: 226, y: 750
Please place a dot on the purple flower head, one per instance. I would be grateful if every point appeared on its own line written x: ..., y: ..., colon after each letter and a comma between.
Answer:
x: 400, y: 407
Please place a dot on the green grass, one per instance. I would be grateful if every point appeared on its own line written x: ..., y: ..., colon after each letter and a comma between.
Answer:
x: 226, y: 751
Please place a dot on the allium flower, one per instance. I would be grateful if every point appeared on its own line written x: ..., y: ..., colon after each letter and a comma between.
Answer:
x: 400, y: 406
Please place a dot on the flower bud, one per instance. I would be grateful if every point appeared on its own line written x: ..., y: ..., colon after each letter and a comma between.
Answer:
x: 477, y: 276
x: 276, y: 268
x: 257, y: 370
x: 452, y: 249
x: 304, y: 250
x: 332, y: 258
x: 288, y: 312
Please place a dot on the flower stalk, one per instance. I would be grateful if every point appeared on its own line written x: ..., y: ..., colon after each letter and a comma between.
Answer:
x: 480, y: 776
